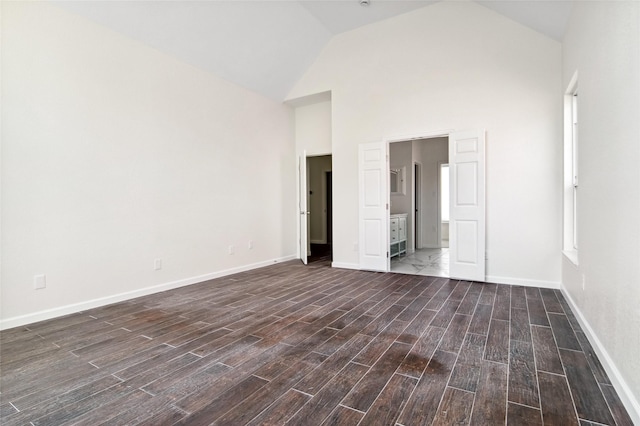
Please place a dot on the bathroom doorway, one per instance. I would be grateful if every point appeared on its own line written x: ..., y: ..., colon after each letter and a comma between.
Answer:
x: 420, y: 198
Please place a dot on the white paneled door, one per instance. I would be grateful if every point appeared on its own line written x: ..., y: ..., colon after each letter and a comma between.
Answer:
x: 467, y: 205
x: 373, y: 199
x: 302, y: 207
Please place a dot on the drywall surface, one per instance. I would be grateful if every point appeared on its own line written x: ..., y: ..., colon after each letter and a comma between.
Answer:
x: 115, y: 155
x: 454, y: 66
x: 313, y: 128
x: 602, y: 45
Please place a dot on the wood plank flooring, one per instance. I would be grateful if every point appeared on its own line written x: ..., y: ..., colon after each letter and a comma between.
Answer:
x: 311, y: 345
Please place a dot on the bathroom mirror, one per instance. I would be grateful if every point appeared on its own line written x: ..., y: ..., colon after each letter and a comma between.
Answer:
x: 396, y: 181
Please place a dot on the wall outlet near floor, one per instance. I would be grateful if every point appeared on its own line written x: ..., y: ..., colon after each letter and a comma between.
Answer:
x: 157, y: 264
x: 39, y: 281
x: 250, y: 245
x: 230, y: 249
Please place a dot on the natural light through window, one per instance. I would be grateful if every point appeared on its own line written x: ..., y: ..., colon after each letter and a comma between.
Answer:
x: 571, y: 180
x: 444, y: 192
x: 574, y: 161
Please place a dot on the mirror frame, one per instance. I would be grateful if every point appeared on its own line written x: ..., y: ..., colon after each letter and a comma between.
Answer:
x: 397, y: 174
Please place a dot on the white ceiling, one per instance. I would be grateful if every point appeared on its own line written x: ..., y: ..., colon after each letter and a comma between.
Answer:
x: 267, y: 45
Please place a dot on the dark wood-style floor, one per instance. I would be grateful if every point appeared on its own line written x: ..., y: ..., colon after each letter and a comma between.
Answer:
x: 310, y: 345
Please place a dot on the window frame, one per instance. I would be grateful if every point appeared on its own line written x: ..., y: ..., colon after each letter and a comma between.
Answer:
x: 571, y: 230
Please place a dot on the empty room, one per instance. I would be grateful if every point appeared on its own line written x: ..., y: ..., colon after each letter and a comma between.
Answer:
x: 320, y: 212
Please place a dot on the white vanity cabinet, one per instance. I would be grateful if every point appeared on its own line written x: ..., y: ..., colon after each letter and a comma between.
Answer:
x: 398, y: 234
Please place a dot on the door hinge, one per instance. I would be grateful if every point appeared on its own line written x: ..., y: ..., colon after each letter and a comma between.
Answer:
x: 387, y: 254
x: 387, y: 206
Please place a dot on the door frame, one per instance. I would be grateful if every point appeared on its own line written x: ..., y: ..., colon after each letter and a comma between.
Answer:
x: 303, y: 200
x: 380, y: 194
x: 405, y: 138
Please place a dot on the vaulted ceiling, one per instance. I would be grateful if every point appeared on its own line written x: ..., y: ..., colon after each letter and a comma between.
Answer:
x: 267, y: 45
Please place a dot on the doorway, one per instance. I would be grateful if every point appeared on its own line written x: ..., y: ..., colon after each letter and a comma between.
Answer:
x: 377, y: 240
x: 426, y: 254
x: 320, y: 208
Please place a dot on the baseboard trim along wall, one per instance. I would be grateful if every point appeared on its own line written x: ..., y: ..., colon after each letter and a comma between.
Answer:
x: 95, y: 303
x: 523, y: 282
x: 626, y: 396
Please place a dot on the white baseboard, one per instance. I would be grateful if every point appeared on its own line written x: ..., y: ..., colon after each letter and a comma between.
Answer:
x: 626, y: 396
x: 523, y: 282
x: 95, y: 303
x: 345, y: 265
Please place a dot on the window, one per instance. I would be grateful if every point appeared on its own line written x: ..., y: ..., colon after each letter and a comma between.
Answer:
x: 571, y: 170
x: 444, y: 192
x: 574, y: 163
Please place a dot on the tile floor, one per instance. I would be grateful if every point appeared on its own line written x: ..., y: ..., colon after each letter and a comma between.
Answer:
x: 307, y: 345
x: 432, y: 262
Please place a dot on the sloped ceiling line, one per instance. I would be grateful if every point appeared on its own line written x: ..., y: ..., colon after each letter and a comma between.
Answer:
x: 266, y: 46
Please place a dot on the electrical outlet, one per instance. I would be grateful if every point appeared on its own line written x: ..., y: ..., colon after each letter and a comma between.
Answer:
x: 230, y: 249
x: 39, y: 281
x: 250, y: 245
x: 157, y: 264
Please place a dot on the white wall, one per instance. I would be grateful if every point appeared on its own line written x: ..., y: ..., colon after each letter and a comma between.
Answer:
x: 454, y: 65
x: 602, y: 44
x: 114, y: 154
x: 313, y: 128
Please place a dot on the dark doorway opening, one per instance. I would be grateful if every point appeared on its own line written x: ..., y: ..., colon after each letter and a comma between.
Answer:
x: 321, y: 197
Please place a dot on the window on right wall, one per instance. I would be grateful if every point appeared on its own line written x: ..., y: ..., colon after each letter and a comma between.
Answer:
x: 574, y: 162
x: 571, y: 180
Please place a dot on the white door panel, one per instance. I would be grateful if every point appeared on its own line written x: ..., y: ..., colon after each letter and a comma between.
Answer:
x: 373, y: 238
x: 467, y: 205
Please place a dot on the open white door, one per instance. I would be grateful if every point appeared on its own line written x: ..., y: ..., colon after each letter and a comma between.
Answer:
x: 467, y: 205
x: 302, y: 178
x: 373, y: 202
